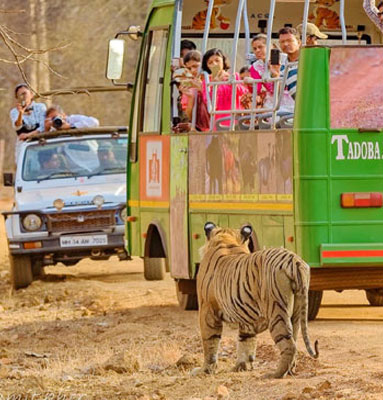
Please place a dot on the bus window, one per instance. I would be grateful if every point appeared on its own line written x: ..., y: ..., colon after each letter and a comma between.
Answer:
x: 153, y: 85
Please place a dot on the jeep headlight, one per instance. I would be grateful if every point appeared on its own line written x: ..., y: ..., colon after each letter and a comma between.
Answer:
x: 98, y: 200
x: 123, y: 214
x: 32, y: 222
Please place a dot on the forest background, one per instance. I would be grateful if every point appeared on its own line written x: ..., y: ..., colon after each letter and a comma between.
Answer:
x: 78, y: 31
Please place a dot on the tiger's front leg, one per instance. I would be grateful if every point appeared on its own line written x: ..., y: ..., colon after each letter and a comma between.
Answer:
x: 211, y: 331
x: 246, y: 348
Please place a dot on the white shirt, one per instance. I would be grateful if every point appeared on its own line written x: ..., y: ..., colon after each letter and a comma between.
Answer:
x: 32, y: 121
x: 82, y: 121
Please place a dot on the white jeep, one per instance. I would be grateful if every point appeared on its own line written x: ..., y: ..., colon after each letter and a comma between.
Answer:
x: 69, y: 200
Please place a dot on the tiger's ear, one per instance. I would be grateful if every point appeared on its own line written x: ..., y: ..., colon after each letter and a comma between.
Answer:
x: 246, y: 232
x: 209, y: 226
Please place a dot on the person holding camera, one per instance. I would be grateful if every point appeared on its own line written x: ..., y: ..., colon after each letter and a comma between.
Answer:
x: 56, y: 119
x: 27, y: 117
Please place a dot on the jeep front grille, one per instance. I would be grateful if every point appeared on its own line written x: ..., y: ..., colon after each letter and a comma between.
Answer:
x: 80, y: 221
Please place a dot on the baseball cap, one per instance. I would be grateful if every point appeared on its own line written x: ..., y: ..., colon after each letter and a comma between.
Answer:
x: 312, y: 30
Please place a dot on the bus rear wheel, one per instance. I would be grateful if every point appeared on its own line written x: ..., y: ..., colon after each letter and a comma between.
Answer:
x: 315, y: 299
x: 375, y: 297
x: 154, y: 268
x: 187, y: 301
x: 21, y: 271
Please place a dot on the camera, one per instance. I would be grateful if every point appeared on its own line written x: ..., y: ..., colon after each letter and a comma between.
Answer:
x: 57, y: 122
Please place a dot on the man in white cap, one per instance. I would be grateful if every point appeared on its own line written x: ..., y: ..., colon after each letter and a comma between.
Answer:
x: 312, y: 34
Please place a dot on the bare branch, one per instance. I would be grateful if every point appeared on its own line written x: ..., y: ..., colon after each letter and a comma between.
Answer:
x: 4, y: 11
x: 6, y: 28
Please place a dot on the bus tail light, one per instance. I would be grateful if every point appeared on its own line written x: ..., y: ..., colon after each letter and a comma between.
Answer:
x: 361, y: 199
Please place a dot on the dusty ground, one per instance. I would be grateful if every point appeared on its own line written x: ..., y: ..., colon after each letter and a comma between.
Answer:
x: 99, y: 331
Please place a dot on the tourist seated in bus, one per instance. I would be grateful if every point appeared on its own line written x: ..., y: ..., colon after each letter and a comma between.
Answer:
x: 290, y: 44
x: 189, y: 86
x: 312, y: 34
x: 216, y: 64
x: 265, y: 90
x: 56, y: 119
x: 186, y: 46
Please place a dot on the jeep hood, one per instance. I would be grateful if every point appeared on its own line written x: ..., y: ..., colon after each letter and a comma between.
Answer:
x: 43, y: 198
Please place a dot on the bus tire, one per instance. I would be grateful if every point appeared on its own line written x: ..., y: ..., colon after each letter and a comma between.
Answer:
x: 315, y: 299
x: 154, y: 268
x: 21, y: 271
x: 187, y: 301
x: 375, y: 297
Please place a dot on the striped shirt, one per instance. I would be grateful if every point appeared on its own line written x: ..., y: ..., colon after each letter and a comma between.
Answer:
x: 372, y: 12
x: 292, y: 74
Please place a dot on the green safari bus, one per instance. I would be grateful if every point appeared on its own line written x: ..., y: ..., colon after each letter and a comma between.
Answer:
x: 310, y: 181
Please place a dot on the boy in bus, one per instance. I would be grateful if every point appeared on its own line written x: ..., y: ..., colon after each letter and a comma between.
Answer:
x: 189, y: 85
x: 290, y: 45
x: 216, y: 64
x: 312, y: 34
x: 186, y: 46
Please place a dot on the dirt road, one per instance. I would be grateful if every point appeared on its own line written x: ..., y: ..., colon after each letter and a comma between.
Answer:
x: 99, y: 331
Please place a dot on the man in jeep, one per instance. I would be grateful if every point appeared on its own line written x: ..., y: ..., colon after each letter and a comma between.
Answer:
x: 56, y: 119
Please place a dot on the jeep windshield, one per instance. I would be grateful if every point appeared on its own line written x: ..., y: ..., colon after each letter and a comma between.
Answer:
x: 75, y: 158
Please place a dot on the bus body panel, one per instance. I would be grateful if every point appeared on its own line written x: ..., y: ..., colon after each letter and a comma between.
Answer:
x: 344, y: 161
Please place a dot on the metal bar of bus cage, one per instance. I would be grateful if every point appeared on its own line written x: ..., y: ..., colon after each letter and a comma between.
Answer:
x: 342, y: 22
x: 203, y: 49
x: 176, y: 50
x: 268, y: 47
x: 247, y: 32
x: 268, y: 40
x: 234, y: 60
x: 304, y: 22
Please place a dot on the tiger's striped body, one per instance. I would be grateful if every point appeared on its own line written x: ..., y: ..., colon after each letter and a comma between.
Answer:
x: 267, y: 289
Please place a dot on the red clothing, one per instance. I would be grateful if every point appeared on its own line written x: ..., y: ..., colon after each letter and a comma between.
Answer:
x: 223, y: 99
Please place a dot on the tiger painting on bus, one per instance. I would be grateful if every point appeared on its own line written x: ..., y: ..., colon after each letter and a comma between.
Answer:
x: 218, y: 20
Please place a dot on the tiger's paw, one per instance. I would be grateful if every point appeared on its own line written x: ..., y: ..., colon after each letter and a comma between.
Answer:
x: 274, y: 375
x: 240, y: 366
x: 203, y: 371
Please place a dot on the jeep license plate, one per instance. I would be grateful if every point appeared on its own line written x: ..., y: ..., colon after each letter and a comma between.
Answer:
x: 83, y: 241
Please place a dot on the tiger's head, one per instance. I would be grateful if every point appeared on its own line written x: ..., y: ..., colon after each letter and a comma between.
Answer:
x: 226, y: 238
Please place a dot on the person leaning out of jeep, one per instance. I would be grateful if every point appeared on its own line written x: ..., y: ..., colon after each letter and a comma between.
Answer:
x: 56, y: 119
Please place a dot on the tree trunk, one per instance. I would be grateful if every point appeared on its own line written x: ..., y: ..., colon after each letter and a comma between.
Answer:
x: 42, y: 36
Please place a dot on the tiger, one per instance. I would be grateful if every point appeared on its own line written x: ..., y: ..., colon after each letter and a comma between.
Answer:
x: 199, y: 19
x: 267, y: 289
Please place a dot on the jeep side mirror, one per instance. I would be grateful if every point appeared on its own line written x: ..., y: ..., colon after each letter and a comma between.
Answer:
x: 115, y: 59
x: 8, y: 179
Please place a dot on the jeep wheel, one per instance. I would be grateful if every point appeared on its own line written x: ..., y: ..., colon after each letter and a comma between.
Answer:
x: 187, y: 301
x: 21, y: 271
x: 375, y: 297
x: 154, y: 268
x: 37, y: 269
x: 315, y: 298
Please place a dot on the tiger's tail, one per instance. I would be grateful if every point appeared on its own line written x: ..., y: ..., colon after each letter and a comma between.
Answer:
x: 302, y: 281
